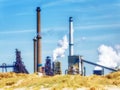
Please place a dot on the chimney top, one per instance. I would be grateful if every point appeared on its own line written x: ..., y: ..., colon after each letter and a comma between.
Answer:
x: 38, y: 9
x: 70, y: 19
x: 34, y: 39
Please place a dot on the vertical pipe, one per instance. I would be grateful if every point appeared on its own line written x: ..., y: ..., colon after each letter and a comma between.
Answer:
x: 70, y: 36
x: 81, y: 66
x: 84, y: 71
x: 35, y: 54
x: 39, y: 61
x: 102, y: 71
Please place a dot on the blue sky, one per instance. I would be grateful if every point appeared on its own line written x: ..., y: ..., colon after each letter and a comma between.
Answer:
x: 96, y: 22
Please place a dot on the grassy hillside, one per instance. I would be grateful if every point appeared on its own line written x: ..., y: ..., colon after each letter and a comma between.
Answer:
x: 13, y: 81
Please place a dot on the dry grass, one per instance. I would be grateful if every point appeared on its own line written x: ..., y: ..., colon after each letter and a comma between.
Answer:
x: 12, y: 81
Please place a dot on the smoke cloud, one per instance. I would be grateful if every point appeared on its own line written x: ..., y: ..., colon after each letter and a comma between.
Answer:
x: 61, y: 47
x: 108, y: 56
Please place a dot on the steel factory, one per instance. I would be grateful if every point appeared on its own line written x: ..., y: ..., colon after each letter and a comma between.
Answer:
x: 75, y: 62
x: 18, y: 66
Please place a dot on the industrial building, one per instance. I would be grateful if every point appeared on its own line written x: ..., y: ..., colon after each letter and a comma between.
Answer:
x: 17, y: 66
x: 75, y: 62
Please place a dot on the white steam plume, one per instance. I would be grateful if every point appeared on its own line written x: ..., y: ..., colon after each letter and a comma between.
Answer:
x: 60, y: 50
x: 108, y: 56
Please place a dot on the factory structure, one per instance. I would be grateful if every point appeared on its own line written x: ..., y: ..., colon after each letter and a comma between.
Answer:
x: 49, y: 68
x: 37, y: 45
x: 17, y: 66
x: 75, y: 62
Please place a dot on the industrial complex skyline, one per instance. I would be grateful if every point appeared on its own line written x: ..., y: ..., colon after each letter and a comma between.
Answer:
x: 96, y: 26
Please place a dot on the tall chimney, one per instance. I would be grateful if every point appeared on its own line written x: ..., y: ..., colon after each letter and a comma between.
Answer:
x: 39, y: 55
x: 35, y: 54
x: 70, y: 36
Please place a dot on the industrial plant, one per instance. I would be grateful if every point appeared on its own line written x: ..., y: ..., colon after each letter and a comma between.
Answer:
x: 50, y: 68
x: 17, y: 66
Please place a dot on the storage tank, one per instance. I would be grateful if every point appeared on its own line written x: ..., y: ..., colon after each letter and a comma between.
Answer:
x: 98, y: 72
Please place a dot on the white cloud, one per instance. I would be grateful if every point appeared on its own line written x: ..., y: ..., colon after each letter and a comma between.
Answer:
x: 97, y: 26
x: 100, y: 8
x: 100, y: 17
x: 49, y: 41
x: 107, y: 37
x: 2, y: 1
x: 117, y: 4
x: 83, y: 38
x: 78, y: 39
x: 54, y: 3
x: 117, y: 47
x: 22, y: 14
x: 108, y: 56
x: 17, y: 31
x: 75, y: 1
x: 61, y: 2
x: 55, y: 28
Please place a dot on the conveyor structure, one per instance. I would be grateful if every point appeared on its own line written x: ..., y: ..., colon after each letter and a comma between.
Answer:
x: 18, y: 66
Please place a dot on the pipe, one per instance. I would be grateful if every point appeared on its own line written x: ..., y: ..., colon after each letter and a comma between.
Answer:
x: 35, y: 54
x: 84, y: 71
x: 71, y: 36
x: 82, y: 67
x: 98, y: 65
x: 39, y: 56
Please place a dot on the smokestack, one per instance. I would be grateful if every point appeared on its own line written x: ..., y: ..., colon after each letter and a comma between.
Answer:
x: 39, y: 56
x: 35, y: 54
x: 70, y: 36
